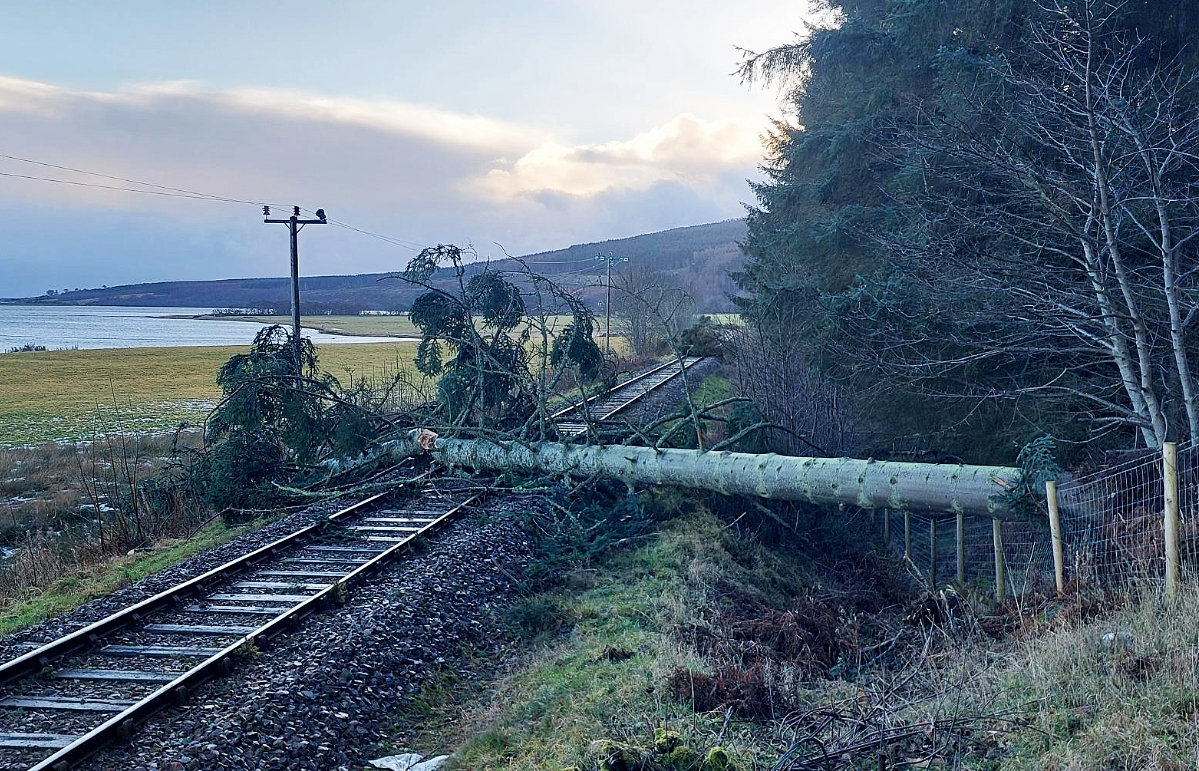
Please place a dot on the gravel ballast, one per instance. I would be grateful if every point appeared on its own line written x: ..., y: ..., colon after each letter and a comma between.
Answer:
x: 325, y: 696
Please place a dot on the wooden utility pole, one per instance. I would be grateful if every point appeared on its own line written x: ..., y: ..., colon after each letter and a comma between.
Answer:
x: 294, y: 226
x: 608, y: 303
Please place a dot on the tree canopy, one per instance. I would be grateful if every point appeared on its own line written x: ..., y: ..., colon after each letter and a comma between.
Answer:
x: 980, y: 218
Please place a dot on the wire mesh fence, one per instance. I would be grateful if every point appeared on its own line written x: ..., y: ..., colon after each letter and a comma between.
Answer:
x: 1114, y: 532
x: 934, y: 553
x: 1188, y: 505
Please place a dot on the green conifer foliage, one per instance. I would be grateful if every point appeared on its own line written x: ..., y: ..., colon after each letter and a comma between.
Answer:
x: 482, y: 341
x: 851, y: 185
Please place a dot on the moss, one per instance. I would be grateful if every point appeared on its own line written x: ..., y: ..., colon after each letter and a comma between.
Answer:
x: 717, y: 759
x: 666, y: 741
x: 683, y: 758
x: 614, y: 756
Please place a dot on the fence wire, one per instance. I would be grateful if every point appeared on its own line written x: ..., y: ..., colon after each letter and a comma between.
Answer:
x: 1188, y: 504
x: 1027, y: 551
x: 1111, y: 525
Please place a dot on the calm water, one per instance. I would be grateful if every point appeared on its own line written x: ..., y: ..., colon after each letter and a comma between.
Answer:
x: 112, y: 327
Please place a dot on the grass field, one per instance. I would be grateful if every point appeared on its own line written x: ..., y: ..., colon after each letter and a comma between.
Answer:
x: 66, y: 395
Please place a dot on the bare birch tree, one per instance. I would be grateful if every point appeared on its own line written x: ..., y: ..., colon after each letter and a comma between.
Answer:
x: 651, y: 311
x: 1058, y: 206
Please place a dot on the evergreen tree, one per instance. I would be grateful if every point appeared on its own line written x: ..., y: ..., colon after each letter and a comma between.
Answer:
x: 852, y: 195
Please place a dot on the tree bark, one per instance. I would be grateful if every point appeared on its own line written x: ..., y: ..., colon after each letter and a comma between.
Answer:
x: 867, y: 484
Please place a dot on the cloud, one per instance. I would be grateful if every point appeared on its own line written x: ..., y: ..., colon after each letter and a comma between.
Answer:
x: 417, y: 172
x: 686, y: 150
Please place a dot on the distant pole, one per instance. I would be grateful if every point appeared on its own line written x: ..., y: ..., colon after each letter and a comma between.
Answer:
x: 608, y: 303
x: 294, y: 226
x: 608, y: 311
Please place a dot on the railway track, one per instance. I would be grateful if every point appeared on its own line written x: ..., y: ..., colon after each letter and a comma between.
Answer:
x: 573, y: 421
x: 68, y: 698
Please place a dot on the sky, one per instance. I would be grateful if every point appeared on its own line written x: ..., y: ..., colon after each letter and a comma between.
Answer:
x: 513, y: 127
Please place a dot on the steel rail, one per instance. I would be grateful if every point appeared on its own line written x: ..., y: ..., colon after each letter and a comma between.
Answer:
x: 606, y: 404
x: 39, y: 658
x: 579, y: 405
x: 120, y: 726
x: 685, y: 366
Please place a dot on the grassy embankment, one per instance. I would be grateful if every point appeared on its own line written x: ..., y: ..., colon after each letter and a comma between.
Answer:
x: 722, y: 631
x: 682, y: 654
x: 706, y: 637
x: 75, y: 585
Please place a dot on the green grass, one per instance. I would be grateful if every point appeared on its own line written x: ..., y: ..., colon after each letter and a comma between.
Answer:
x: 69, y: 592
x: 712, y: 389
x: 1076, y: 691
x: 573, y: 700
x: 1130, y: 701
x: 70, y: 395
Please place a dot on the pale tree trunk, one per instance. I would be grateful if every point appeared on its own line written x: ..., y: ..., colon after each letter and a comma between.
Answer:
x: 1118, y: 344
x: 1155, y: 168
x: 1177, y: 331
x: 1143, y: 347
x: 867, y: 484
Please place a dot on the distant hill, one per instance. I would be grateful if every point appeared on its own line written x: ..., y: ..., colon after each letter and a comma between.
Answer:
x: 697, y: 258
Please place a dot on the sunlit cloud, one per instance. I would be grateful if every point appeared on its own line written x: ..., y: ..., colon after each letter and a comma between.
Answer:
x: 413, y: 171
x: 687, y: 150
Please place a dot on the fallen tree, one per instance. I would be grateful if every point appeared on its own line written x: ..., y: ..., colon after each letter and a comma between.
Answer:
x: 869, y: 484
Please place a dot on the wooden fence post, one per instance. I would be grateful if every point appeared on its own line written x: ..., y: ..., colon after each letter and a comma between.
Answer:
x: 1055, y: 531
x: 961, y: 537
x: 1170, y: 526
x: 932, y: 553
x: 887, y: 527
x: 1000, y: 568
x: 907, y: 536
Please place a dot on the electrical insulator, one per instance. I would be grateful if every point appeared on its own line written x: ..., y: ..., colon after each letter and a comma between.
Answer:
x: 296, y: 211
x: 266, y: 211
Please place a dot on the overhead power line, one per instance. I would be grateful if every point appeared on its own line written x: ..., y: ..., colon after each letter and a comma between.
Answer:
x: 590, y: 260
x: 76, y: 183
x: 183, y: 191
x: 168, y: 191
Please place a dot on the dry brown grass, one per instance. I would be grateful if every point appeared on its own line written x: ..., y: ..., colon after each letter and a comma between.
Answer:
x: 67, y: 507
x: 46, y: 486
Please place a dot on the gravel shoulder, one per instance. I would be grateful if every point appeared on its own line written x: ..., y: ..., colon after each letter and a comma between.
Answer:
x: 324, y: 697
x: 671, y: 397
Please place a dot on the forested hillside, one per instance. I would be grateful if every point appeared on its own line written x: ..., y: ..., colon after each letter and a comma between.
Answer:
x: 697, y: 259
x: 978, y: 221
